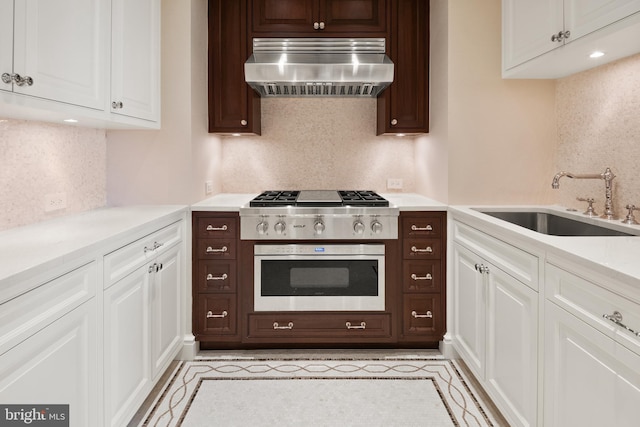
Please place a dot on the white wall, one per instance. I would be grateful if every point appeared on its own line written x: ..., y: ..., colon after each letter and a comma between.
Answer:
x: 501, y: 134
x: 170, y: 165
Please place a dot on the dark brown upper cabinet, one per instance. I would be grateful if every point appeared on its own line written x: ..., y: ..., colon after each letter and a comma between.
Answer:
x: 404, y: 106
x: 319, y: 18
x: 233, y: 106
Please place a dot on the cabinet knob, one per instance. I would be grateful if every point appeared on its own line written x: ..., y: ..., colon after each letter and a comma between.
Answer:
x: 562, y: 35
x: 115, y: 105
x: 322, y: 25
x: 394, y: 122
x: 7, y: 78
x: 17, y: 79
x: 243, y: 122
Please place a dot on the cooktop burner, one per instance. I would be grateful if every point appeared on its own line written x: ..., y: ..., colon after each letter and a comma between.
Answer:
x: 319, y: 198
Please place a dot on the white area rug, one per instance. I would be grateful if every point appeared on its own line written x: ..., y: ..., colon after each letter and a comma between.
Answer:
x: 318, y: 392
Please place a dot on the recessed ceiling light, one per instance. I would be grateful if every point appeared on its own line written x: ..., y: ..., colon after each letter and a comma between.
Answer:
x: 596, y: 54
x: 235, y: 134
x: 400, y: 134
x: 70, y: 120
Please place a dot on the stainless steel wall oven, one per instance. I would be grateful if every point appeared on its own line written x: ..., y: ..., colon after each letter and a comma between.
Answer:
x: 319, y: 277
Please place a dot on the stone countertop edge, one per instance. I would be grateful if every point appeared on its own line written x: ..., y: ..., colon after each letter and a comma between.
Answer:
x: 616, y: 257
x: 29, y: 251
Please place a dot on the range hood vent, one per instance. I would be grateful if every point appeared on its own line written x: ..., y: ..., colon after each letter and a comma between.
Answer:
x: 330, y: 67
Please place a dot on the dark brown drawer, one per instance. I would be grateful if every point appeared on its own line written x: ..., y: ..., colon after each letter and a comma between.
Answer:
x: 216, y: 314
x: 421, y: 276
x: 319, y: 325
x: 422, y: 248
x: 422, y: 226
x: 422, y: 316
x: 216, y: 248
x: 216, y: 227
x: 216, y: 276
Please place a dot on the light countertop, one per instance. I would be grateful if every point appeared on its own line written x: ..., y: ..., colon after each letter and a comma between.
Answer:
x: 614, y: 257
x: 26, y: 251
x: 231, y: 202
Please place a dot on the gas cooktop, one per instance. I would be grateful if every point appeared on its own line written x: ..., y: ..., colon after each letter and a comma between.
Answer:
x: 319, y: 198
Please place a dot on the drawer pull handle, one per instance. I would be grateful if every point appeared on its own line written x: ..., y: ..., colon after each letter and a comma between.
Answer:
x: 416, y: 228
x: 223, y: 314
x: 212, y: 277
x: 427, y: 315
x: 276, y: 325
x: 362, y: 325
x: 427, y: 277
x: 212, y: 228
x: 214, y: 250
x: 156, y: 245
x: 616, y: 318
x: 428, y: 249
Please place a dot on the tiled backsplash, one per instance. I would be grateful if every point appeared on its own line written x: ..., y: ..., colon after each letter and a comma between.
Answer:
x: 598, y: 127
x: 317, y: 144
x: 38, y: 159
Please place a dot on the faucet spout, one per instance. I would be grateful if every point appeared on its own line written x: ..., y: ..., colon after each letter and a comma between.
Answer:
x: 607, y: 176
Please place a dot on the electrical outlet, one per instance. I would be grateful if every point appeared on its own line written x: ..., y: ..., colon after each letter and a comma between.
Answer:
x: 394, y: 184
x: 208, y: 187
x: 55, y: 202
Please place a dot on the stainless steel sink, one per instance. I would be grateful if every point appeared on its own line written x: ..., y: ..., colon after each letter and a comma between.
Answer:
x: 548, y: 223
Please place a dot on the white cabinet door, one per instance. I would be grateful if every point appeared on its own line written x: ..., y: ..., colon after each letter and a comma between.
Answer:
x: 6, y: 41
x: 469, y: 309
x: 135, y: 59
x: 584, y: 17
x: 527, y: 28
x: 57, y: 365
x: 590, y: 380
x: 165, y: 310
x: 63, y: 46
x: 127, y: 372
x: 512, y: 345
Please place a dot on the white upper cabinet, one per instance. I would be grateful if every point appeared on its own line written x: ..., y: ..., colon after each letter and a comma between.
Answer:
x: 135, y: 59
x: 59, y: 50
x: 6, y: 41
x: 96, y: 61
x: 554, y: 38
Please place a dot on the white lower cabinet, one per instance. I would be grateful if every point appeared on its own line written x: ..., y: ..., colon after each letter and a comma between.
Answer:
x: 590, y: 378
x: 495, y: 328
x: 56, y: 358
x: 142, y: 327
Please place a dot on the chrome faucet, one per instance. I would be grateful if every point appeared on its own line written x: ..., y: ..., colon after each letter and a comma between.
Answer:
x: 607, y: 175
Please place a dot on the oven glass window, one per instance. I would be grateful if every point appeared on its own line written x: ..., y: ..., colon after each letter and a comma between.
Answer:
x: 319, y: 278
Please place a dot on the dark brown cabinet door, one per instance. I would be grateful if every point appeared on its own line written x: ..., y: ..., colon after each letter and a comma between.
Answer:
x: 319, y: 18
x: 404, y: 106
x: 233, y: 106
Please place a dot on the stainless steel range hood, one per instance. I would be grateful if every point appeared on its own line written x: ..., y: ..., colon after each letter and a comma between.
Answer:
x: 299, y: 67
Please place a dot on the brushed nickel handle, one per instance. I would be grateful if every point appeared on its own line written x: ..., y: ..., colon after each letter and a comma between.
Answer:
x: 630, y: 219
x: 21, y: 81
x: 212, y: 228
x: 362, y: 325
x: 616, y: 318
x: 7, y: 78
x: 416, y: 228
x: 428, y: 315
x: 590, y: 211
x: 428, y: 249
x: 155, y: 246
x: 562, y: 35
x: 243, y: 122
x: 481, y: 268
x: 394, y: 122
x: 214, y: 250
x: 416, y: 277
x: 116, y: 105
x: 322, y: 25
x: 276, y: 325
x: 211, y: 315
x: 212, y: 277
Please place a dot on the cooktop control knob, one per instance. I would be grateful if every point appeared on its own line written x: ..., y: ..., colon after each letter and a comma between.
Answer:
x: 280, y: 227
x: 318, y: 227
x: 358, y: 227
x: 262, y: 227
x: 376, y: 226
